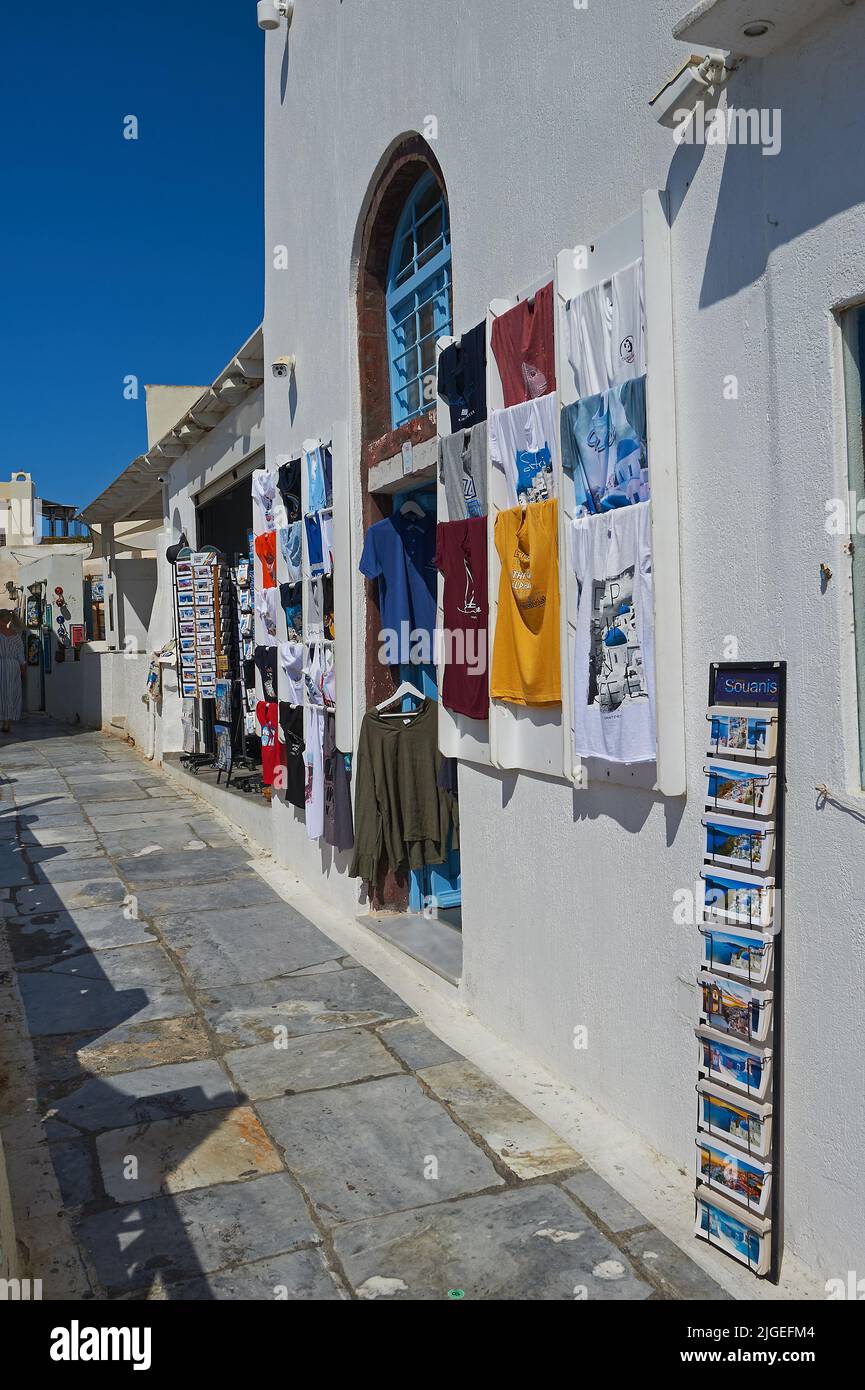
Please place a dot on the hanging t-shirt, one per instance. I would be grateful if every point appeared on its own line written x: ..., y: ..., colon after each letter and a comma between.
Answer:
x: 291, y: 721
x: 313, y: 738
x: 291, y: 598
x: 319, y: 543
x: 463, y: 470
x: 461, y: 556
x: 291, y: 662
x: 523, y: 345
x: 605, y: 332
x: 318, y: 483
x: 265, y: 549
x: 462, y: 378
x: 265, y: 660
x: 614, y: 670
x: 265, y: 607
x: 400, y: 553
x: 264, y: 493
x: 524, y: 445
x: 291, y: 545
x: 338, y: 823
x: 604, y: 448
x: 526, y: 668
x: 289, y: 490
x: 266, y: 714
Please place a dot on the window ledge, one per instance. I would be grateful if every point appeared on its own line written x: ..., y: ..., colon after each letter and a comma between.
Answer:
x: 389, y: 476
x: 414, y: 432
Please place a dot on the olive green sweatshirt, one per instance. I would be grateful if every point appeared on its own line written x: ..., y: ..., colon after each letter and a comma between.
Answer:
x: 399, y: 811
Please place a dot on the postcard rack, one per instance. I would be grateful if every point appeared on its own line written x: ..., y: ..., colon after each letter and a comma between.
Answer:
x: 739, y: 1143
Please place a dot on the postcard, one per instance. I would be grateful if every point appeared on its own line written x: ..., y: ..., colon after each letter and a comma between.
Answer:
x: 740, y: 787
x: 745, y: 954
x: 732, y: 1006
x: 734, y: 1063
x: 735, y: 1118
x: 208, y: 692
x: 183, y: 567
x: 187, y: 644
x: 185, y: 600
x: 190, y: 689
x: 203, y: 557
x: 735, y: 731
x: 183, y: 585
x: 203, y: 572
x: 742, y: 1177
x: 204, y: 624
x: 187, y: 658
x: 740, y: 843
x: 735, y: 897
x: 739, y: 1233
x: 187, y: 629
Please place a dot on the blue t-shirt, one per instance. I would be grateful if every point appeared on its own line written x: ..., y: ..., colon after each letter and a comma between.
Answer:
x: 400, y: 553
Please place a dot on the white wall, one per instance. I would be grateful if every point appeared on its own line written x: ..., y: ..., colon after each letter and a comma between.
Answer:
x: 545, y: 139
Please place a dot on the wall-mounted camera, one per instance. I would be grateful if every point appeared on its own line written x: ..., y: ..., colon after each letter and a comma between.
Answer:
x: 270, y: 12
x: 284, y: 366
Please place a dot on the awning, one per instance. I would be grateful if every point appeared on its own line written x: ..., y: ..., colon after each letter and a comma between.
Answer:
x: 136, y: 495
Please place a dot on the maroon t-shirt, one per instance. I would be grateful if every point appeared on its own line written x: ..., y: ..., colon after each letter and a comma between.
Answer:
x: 461, y: 556
x: 523, y: 344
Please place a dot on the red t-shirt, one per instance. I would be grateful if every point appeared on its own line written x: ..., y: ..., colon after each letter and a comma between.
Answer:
x: 523, y: 345
x: 265, y: 549
x: 461, y: 556
x: 268, y: 717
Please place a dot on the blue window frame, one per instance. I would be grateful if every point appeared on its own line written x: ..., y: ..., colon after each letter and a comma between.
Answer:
x: 418, y: 301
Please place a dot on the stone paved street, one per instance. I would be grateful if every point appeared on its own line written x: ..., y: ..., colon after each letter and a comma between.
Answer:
x: 202, y: 1097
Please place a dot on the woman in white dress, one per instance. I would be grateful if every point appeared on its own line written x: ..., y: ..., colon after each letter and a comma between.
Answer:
x: 13, y: 665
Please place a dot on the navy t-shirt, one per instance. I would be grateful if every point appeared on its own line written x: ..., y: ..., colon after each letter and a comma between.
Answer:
x: 400, y: 553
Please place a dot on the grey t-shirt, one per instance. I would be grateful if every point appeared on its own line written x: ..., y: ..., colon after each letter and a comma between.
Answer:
x: 463, y: 470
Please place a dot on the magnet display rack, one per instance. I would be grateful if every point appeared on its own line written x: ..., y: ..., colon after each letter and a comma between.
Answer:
x: 728, y: 1212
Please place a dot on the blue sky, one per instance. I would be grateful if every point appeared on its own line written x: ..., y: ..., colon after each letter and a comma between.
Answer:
x: 122, y: 257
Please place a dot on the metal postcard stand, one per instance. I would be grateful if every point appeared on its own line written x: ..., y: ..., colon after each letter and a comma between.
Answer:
x: 763, y: 688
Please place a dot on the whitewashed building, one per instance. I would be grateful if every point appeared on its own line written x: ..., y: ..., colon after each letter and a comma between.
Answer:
x: 525, y: 132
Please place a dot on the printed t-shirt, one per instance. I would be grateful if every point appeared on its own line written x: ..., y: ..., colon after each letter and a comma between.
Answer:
x: 522, y: 341
x: 461, y: 557
x: 400, y: 553
x: 265, y: 660
x: 291, y: 599
x: 524, y: 446
x: 462, y: 378
x: 526, y: 667
x: 291, y: 544
x: 605, y: 332
x: 264, y: 493
x: 265, y: 549
x: 614, y: 670
x: 289, y: 490
x: 291, y: 662
x: 604, y: 448
x: 319, y: 485
x: 463, y: 470
x: 266, y: 714
x: 291, y: 720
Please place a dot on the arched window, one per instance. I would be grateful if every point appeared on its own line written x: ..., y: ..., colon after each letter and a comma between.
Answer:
x: 418, y: 299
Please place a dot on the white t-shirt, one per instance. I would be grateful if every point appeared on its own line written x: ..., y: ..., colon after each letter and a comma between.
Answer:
x: 524, y: 444
x: 264, y: 494
x: 614, y: 657
x: 606, y: 332
x: 291, y: 661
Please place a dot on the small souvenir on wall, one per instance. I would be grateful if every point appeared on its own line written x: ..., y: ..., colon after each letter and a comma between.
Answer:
x: 739, y: 1143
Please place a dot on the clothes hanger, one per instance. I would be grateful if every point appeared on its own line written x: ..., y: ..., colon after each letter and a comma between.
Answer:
x: 411, y: 508
x: 406, y: 688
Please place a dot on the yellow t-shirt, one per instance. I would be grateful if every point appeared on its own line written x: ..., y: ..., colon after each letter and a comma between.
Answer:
x: 526, y: 668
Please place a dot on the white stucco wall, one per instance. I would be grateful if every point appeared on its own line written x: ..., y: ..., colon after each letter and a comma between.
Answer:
x: 545, y: 139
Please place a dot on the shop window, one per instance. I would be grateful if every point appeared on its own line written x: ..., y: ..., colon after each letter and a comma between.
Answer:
x: 853, y: 326
x: 418, y: 301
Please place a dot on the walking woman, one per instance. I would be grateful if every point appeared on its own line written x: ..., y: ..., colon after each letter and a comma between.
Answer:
x: 13, y: 665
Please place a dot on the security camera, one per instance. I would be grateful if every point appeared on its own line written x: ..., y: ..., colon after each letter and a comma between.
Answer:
x: 270, y: 12
x: 696, y: 79
x: 284, y: 366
